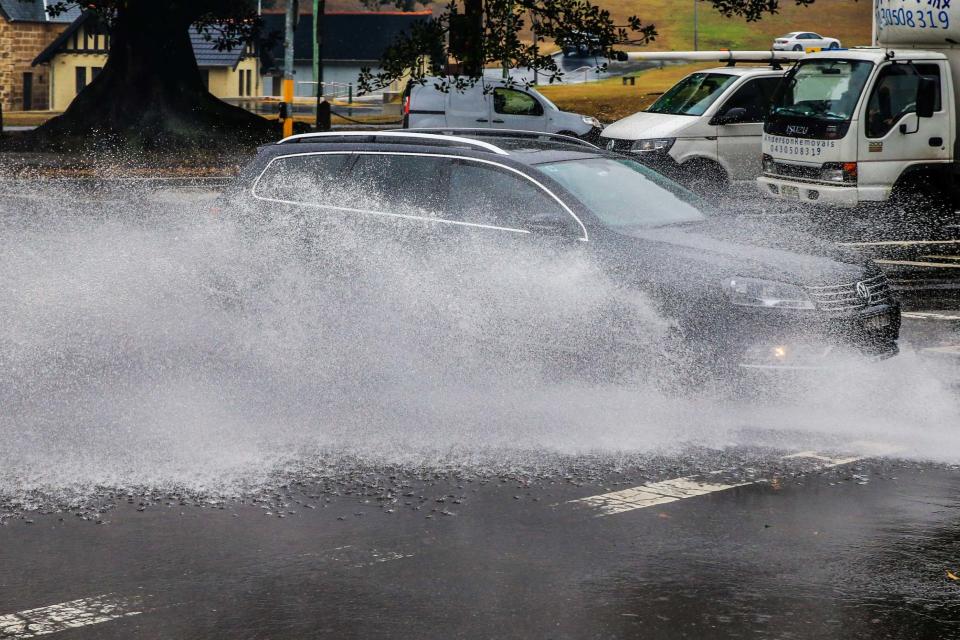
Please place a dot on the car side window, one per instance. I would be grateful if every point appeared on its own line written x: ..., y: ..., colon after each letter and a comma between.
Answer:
x: 400, y: 184
x: 302, y: 179
x: 487, y: 195
x: 895, y: 95
x: 513, y: 102
x: 754, y: 96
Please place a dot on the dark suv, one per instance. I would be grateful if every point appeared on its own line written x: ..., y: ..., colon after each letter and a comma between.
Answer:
x: 739, y: 293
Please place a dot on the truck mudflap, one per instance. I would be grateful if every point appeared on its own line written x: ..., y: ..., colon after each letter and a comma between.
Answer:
x: 809, y: 192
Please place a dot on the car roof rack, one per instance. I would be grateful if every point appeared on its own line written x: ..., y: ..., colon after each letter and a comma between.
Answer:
x: 395, y: 136
x: 505, y: 133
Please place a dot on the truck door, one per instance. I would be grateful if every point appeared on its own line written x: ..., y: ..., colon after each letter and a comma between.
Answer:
x: 739, y: 141
x: 893, y: 137
x: 517, y: 109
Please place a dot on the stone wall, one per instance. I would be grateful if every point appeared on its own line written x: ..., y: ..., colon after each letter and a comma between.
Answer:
x: 20, y: 43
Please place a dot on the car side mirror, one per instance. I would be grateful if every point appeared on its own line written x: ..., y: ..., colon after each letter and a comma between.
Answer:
x: 927, y: 90
x: 548, y: 224
x: 732, y: 116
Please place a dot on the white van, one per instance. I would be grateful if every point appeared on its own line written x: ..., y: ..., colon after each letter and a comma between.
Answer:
x: 705, y: 131
x: 494, y: 104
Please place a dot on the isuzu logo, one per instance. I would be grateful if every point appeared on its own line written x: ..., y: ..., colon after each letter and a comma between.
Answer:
x: 797, y: 130
x: 864, y: 292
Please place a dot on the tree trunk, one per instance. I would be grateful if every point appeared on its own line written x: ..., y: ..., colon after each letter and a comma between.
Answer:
x: 150, y: 93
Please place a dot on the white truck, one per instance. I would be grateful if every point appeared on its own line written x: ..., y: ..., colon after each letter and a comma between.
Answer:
x: 872, y: 124
x: 706, y: 130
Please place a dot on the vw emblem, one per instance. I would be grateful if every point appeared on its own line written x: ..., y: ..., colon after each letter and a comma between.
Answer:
x: 863, y: 292
x: 611, y: 145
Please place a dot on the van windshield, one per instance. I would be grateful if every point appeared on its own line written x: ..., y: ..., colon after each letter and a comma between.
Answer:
x: 693, y: 95
x: 624, y: 194
x: 822, y: 89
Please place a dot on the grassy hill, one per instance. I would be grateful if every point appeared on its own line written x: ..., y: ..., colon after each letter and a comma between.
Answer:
x: 848, y: 20
x: 844, y: 19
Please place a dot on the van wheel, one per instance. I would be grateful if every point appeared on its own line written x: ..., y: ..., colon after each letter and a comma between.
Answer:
x: 705, y: 178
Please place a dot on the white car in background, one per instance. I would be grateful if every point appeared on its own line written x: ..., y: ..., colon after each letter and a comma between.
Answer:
x: 803, y: 40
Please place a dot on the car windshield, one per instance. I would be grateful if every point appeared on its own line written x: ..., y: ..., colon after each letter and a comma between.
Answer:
x: 823, y: 89
x: 692, y: 95
x: 624, y: 193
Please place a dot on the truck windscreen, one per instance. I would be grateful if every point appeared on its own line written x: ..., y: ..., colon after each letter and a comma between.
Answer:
x: 823, y: 89
x: 693, y: 95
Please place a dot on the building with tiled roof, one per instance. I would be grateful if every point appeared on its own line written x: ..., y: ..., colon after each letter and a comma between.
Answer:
x: 78, y: 55
x: 25, y: 30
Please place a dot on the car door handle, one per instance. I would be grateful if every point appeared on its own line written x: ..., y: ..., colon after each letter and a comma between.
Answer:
x: 482, y: 120
x: 498, y: 121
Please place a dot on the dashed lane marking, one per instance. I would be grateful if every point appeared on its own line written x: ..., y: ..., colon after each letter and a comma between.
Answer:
x: 67, y: 615
x: 667, y: 491
x: 898, y: 243
x: 930, y: 315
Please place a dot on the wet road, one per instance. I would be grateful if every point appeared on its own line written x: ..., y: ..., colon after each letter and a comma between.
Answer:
x: 764, y: 541
x: 811, y: 546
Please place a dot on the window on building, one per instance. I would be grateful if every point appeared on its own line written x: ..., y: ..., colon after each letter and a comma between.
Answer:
x: 94, y: 72
x: 27, y: 91
x: 277, y: 86
x: 249, y: 82
x: 240, y: 89
x: 81, y: 76
x: 205, y: 78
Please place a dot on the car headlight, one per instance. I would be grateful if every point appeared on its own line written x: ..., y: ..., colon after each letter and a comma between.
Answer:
x: 652, y: 144
x: 753, y: 292
x: 593, y: 122
x: 840, y: 172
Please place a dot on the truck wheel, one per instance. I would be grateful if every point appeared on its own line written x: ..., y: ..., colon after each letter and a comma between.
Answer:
x: 705, y: 178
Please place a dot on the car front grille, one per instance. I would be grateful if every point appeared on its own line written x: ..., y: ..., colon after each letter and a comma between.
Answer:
x: 852, y: 296
x: 796, y: 171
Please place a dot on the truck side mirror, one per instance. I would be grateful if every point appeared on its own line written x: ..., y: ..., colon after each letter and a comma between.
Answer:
x: 927, y: 90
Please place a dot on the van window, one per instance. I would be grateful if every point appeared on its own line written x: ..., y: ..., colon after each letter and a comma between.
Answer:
x: 754, y: 96
x: 895, y: 95
x: 693, y: 95
x: 305, y: 179
x: 512, y: 102
x: 483, y: 194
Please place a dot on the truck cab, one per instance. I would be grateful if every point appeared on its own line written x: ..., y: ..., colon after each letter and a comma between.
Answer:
x: 706, y: 130
x: 871, y: 124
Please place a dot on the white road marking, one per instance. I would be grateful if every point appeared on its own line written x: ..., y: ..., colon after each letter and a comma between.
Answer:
x: 930, y: 315
x: 897, y: 243
x: 918, y: 263
x: 67, y: 615
x: 664, y: 492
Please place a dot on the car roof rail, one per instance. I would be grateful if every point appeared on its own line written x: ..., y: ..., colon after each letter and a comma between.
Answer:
x: 505, y: 133
x: 395, y: 136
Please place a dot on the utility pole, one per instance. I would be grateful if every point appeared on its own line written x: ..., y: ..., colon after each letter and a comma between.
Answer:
x: 506, y: 59
x: 696, y: 25
x: 322, y: 122
x: 290, y: 29
x: 536, y: 49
